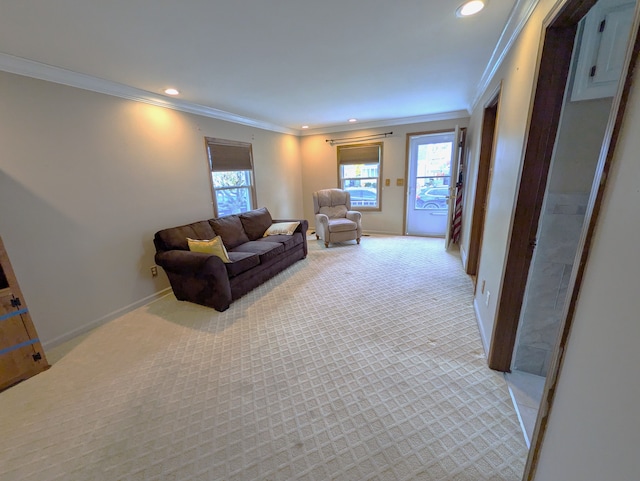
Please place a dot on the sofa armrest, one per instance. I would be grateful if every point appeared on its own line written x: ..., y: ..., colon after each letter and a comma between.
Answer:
x: 186, y: 262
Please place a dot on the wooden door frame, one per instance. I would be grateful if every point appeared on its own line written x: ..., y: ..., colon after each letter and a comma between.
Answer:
x: 483, y: 180
x: 557, y: 39
x: 553, y: 73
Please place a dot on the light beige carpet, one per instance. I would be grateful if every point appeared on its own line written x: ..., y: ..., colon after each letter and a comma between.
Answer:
x: 358, y: 363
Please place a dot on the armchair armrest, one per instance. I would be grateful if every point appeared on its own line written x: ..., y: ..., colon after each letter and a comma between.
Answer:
x: 354, y: 215
x: 322, y: 221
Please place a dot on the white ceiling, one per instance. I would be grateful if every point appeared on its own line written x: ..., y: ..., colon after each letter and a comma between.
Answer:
x: 278, y: 64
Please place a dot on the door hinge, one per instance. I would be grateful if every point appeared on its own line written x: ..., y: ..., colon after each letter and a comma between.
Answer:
x: 592, y: 72
x: 601, y: 27
x: 15, y: 302
x: 37, y: 356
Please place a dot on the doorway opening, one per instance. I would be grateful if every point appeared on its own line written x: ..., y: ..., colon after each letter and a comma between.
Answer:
x: 551, y: 184
x: 483, y: 183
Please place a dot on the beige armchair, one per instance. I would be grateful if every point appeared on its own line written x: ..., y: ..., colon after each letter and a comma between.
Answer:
x: 335, y: 221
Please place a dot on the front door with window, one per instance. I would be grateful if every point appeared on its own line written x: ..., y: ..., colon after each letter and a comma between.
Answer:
x: 431, y: 169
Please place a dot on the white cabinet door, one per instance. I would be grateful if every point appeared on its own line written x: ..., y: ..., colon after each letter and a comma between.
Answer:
x: 602, y: 49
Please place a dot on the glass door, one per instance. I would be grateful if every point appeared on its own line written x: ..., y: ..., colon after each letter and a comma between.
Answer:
x: 431, y: 170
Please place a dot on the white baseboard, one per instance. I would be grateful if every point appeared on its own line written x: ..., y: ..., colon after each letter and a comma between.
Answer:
x: 379, y: 232
x: 104, y: 319
x: 483, y: 338
x: 463, y: 258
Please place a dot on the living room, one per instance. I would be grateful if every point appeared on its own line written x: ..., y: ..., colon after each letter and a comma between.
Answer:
x: 87, y: 179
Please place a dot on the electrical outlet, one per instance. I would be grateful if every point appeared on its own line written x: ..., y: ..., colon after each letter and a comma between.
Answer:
x: 486, y: 300
x: 154, y: 271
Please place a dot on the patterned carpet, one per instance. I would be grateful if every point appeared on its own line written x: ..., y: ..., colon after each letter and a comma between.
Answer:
x: 358, y: 363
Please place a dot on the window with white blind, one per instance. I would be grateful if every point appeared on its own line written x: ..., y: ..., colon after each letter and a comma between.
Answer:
x: 359, y: 171
x: 232, y: 180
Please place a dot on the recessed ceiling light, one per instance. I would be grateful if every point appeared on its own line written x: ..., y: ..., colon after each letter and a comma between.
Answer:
x: 171, y: 91
x: 305, y: 126
x: 353, y: 120
x: 470, y: 8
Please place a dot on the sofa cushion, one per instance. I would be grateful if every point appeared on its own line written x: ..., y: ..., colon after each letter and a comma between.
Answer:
x: 175, y: 238
x: 230, y: 229
x: 213, y: 246
x: 282, y: 228
x: 266, y: 250
x: 241, y: 262
x: 256, y: 222
x: 288, y: 241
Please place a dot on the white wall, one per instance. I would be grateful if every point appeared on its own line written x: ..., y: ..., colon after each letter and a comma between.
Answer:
x: 320, y: 170
x: 86, y: 179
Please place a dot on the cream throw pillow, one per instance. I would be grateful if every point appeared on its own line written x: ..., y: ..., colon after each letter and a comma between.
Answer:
x: 285, y: 228
x: 213, y: 246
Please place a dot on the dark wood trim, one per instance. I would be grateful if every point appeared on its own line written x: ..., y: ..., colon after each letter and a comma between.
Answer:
x: 487, y: 145
x: 545, y: 117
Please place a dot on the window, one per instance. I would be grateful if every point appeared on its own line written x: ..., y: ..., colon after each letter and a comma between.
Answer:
x: 231, y: 165
x: 359, y: 171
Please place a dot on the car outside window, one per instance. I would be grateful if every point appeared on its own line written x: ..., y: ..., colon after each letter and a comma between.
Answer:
x: 359, y: 173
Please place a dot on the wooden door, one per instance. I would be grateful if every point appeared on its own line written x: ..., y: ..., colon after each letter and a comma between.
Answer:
x: 483, y: 181
x: 21, y: 354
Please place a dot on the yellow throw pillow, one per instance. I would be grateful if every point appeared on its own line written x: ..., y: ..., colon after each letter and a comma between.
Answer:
x: 285, y: 228
x: 213, y: 246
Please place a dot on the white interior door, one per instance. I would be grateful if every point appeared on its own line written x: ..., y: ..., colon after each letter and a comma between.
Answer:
x: 456, y: 153
x: 432, y: 175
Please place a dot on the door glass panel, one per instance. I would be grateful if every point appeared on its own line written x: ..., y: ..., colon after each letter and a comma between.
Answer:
x: 433, y: 170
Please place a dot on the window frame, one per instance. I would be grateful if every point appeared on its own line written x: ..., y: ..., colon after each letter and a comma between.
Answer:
x: 236, y: 154
x: 343, y: 160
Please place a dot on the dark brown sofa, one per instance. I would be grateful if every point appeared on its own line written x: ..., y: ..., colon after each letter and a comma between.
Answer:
x: 205, y: 279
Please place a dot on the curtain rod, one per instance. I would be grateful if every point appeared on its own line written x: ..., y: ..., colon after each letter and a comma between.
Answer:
x: 364, y: 137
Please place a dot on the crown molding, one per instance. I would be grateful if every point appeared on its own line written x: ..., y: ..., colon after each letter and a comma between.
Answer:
x: 456, y: 114
x: 518, y: 17
x: 30, y: 68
